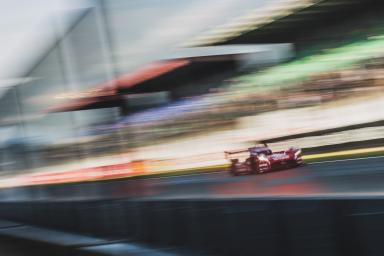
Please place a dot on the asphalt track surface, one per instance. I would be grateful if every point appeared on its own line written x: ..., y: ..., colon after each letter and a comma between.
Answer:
x: 340, y: 178
x: 14, y: 247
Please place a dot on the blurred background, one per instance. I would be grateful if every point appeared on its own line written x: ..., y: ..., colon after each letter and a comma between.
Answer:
x: 139, y: 99
x: 159, y: 86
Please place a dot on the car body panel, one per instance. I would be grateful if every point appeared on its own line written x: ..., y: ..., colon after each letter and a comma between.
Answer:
x: 262, y: 159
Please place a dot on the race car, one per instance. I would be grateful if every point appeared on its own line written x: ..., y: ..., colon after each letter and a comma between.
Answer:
x: 261, y: 159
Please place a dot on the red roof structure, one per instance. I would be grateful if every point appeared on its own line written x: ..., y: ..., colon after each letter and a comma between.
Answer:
x: 108, y: 93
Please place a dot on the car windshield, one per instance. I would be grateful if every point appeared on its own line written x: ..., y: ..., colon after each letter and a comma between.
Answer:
x: 266, y: 152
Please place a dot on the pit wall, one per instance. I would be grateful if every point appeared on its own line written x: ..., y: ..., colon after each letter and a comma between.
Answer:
x: 281, y: 226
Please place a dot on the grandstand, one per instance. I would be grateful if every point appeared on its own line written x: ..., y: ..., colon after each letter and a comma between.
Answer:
x: 301, y: 69
x: 332, y: 54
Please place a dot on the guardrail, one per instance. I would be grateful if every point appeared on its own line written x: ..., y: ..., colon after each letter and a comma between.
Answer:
x: 307, y: 226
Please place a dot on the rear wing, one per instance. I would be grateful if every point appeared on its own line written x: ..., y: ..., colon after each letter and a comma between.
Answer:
x: 228, y: 154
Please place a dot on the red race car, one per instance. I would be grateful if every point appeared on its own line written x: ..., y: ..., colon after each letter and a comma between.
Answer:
x: 261, y: 159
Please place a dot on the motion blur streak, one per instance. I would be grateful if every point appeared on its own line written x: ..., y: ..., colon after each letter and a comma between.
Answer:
x: 350, y: 177
x: 141, y: 103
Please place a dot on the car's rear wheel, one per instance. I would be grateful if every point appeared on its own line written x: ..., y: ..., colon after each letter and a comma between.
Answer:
x: 233, y: 170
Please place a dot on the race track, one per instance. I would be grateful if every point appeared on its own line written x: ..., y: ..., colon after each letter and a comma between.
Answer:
x: 353, y: 177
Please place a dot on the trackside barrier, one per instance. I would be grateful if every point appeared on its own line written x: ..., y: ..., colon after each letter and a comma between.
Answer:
x: 221, y: 226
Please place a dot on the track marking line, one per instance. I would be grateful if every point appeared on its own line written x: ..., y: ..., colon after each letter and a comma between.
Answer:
x: 345, y: 153
x: 346, y: 160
